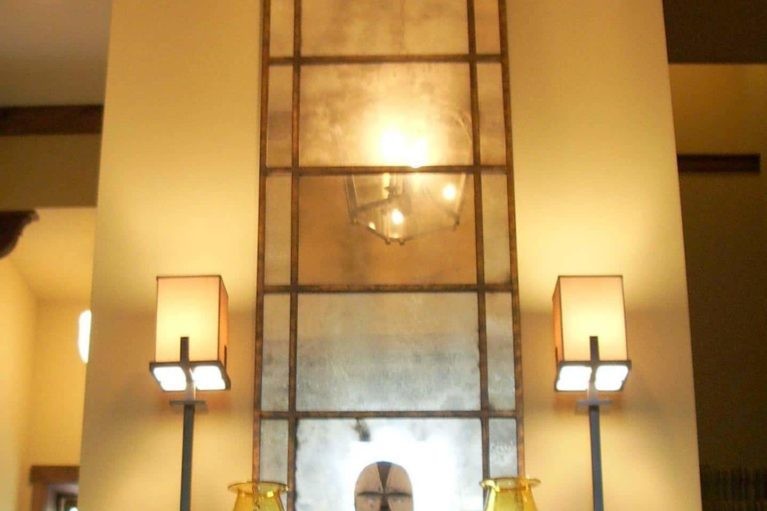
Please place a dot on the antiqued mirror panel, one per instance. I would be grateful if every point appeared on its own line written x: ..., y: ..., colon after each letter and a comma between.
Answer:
x: 274, y: 450
x: 503, y: 447
x: 415, y: 228
x: 487, y: 27
x: 275, y: 363
x: 495, y: 216
x: 442, y: 458
x: 385, y: 114
x: 491, y: 125
x: 388, y: 351
x: 391, y: 27
x: 277, y: 230
x: 500, y: 351
x: 281, y: 33
x: 278, y: 142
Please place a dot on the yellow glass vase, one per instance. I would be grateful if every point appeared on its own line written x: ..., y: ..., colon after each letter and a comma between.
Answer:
x: 510, y: 494
x: 258, y: 496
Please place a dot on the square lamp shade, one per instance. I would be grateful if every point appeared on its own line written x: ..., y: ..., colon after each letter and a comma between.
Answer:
x: 195, y: 308
x: 585, y: 307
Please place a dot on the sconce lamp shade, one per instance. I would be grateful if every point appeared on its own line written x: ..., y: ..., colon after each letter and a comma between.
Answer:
x: 194, y: 308
x: 586, y: 307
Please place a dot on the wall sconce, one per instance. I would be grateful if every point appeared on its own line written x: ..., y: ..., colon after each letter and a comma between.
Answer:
x: 190, y: 350
x: 402, y: 206
x: 590, y: 345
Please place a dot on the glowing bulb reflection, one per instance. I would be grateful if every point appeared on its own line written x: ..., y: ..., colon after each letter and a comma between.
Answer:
x: 449, y: 192
x: 397, y: 217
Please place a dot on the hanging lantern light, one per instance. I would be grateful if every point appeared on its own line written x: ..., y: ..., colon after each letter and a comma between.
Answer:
x: 402, y: 206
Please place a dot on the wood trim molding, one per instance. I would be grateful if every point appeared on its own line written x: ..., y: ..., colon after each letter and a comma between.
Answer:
x: 718, y: 162
x: 51, y: 120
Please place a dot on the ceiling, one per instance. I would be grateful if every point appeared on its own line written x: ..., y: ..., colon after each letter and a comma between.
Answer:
x: 54, y: 52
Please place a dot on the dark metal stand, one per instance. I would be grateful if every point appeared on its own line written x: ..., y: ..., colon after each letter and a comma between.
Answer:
x: 190, y: 404
x: 594, y: 404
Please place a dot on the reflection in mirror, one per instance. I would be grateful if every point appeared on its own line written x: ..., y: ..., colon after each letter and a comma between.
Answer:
x: 443, y: 458
x: 333, y: 250
x: 388, y: 351
x: 375, y: 27
x: 387, y: 114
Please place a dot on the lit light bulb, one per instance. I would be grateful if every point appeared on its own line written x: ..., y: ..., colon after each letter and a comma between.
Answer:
x: 418, y: 153
x: 372, y: 225
x: 393, y: 146
x: 397, y: 217
x: 449, y: 192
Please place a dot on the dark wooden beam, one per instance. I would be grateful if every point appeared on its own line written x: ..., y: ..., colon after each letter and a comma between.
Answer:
x: 51, y: 120
x: 718, y: 162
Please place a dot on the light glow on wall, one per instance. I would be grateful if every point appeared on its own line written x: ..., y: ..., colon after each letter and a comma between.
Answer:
x: 84, y: 335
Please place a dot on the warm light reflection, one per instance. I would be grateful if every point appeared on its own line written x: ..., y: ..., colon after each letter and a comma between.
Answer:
x: 610, y: 378
x: 449, y: 192
x: 84, y: 335
x: 573, y: 378
x: 397, y: 217
x: 208, y: 377
x: 398, y: 149
x: 170, y: 378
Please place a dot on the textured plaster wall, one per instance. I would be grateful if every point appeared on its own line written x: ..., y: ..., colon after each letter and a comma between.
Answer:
x: 17, y: 323
x: 597, y: 193
x: 177, y: 195
x: 723, y: 109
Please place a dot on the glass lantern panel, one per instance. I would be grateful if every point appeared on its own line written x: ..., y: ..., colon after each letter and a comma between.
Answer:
x: 277, y: 231
x: 491, y: 126
x: 486, y: 21
x: 345, y: 223
x: 281, y: 33
x: 388, y: 114
x: 503, y: 447
x: 391, y: 27
x: 500, y: 351
x: 495, y: 216
x: 388, y: 351
x: 274, y: 380
x: 442, y: 458
x: 278, y: 130
x: 274, y: 450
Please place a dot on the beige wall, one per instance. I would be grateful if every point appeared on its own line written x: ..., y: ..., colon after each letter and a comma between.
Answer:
x: 48, y: 171
x: 722, y: 109
x: 17, y: 324
x: 177, y: 195
x: 597, y: 193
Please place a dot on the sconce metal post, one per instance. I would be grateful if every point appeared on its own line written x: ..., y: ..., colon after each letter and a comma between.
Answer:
x: 189, y: 403
x: 594, y: 404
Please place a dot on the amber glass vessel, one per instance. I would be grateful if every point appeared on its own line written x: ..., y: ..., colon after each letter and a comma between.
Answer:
x: 510, y: 494
x: 258, y: 496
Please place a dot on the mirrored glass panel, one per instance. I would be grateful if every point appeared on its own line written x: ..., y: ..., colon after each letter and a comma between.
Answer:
x: 277, y: 231
x: 503, y: 447
x: 278, y: 134
x: 442, y: 460
x: 486, y: 20
x: 388, y: 351
x: 387, y: 229
x: 274, y: 381
x: 491, y: 126
x: 375, y: 27
x: 274, y: 450
x: 281, y: 33
x: 500, y: 351
x: 388, y: 114
x: 495, y: 215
